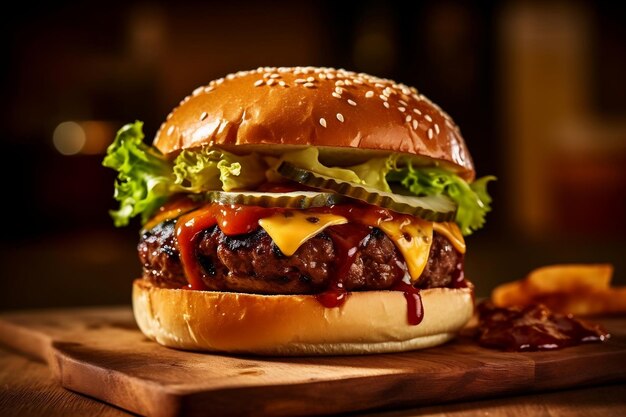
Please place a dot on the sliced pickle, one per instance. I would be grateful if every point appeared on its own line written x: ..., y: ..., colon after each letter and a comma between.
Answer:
x: 436, y: 208
x: 294, y: 199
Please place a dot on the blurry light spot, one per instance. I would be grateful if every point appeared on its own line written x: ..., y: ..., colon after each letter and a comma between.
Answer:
x: 68, y: 138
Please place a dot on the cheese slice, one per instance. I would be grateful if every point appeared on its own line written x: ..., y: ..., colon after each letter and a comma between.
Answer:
x: 452, y: 232
x: 413, y: 238
x: 290, y: 232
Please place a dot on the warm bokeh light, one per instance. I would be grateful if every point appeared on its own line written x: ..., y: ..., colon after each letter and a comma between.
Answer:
x: 69, y: 138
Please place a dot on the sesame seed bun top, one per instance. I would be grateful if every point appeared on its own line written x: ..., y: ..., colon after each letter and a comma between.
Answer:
x: 312, y: 106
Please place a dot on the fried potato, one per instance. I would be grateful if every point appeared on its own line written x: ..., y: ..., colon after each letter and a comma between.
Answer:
x: 570, y: 278
x: 577, y: 289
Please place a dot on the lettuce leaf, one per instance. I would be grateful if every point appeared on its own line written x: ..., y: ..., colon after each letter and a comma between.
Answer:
x: 144, y: 180
x: 472, y: 199
x: 211, y: 169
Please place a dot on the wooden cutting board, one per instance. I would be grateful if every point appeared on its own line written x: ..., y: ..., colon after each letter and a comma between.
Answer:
x: 101, y: 353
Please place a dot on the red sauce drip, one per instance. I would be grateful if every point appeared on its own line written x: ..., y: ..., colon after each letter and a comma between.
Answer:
x: 532, y: 328
x: 231, y: 219
x: 347, y: 238
x: 414, y: 307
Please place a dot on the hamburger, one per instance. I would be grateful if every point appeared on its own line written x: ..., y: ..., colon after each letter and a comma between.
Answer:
x: 300, y: 211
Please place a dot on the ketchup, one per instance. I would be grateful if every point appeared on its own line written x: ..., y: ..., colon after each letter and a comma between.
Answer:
x: 347, y: 239
x: 533, y: 327
x: 414, y: 307
x: 231, y: 219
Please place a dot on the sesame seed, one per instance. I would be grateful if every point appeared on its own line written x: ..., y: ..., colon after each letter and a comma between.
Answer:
x: 336, y: 95
x: 322, y: 76
x: 415, y: 124
x: 197, y: 91
x: 338, y: 90
x: 436, y: 128
x: 416, y: 111
x: 208, y: 89
x: 428, y: 118
x: 348, y: 82
x: 339, y: 83
x: 351, y: 102
x: 402, y: 109
x: 369, y: 94
x: 430, y: 133
x: 300, y: 81
x: 408, y: 118
x: 383, y: 98
x: 402, y: 102
x: 258, y: 83
x: 387, y: 91
x: 340, y: 117
x: 358, y: 81
x: 203, y: 116
x: 282, y: 84
x: 385, y: 104
x: 310, y: 79
x: 170, y: 131
x: 271, y: 82
x: 275, y: 76
x: 379, y: 85
x: 309, y: 85
x: 330, y: 76
x: 323, y: 122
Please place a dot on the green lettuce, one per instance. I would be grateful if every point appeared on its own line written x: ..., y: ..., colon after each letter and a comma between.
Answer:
x: 144, y: 179
x: 147, y: 179
x: 472, y: 200
x: 211, y: 169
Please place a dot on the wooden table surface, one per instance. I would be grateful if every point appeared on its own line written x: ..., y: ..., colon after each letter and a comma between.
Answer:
x: 28, y: 389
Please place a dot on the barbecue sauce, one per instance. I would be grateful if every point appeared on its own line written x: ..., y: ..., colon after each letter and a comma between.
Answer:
x: 532, y: 328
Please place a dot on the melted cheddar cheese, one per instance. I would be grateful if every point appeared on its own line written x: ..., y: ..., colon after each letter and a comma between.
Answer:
x: 413, y: 238
x: 290, y: 232
x: 452, y: 232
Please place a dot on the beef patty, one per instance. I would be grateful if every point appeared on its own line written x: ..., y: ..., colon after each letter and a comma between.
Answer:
x: 252, y: 263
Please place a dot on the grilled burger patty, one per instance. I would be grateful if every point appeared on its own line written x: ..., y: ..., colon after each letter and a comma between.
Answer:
x: 252, y: 263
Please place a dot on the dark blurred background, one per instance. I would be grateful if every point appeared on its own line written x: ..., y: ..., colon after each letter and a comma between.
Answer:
x: 538, y: 88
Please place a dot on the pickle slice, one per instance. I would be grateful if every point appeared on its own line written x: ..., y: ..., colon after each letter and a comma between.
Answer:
x: 436, y: 208
x: 294, y: 199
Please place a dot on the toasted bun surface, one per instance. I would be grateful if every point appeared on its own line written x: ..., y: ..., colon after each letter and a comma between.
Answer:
x: 320, y: 107
x: 368, y: 322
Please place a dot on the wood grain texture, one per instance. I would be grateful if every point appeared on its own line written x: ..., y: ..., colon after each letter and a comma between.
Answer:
x: 27, y: 388
x: 100, y: 352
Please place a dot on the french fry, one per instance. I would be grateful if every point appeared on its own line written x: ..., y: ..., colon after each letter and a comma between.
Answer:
x: 570, y: 278
x: 510, y: 294
x: 577, y: 289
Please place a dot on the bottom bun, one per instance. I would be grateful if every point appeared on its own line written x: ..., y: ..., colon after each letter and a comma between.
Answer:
x: 368, y: 322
